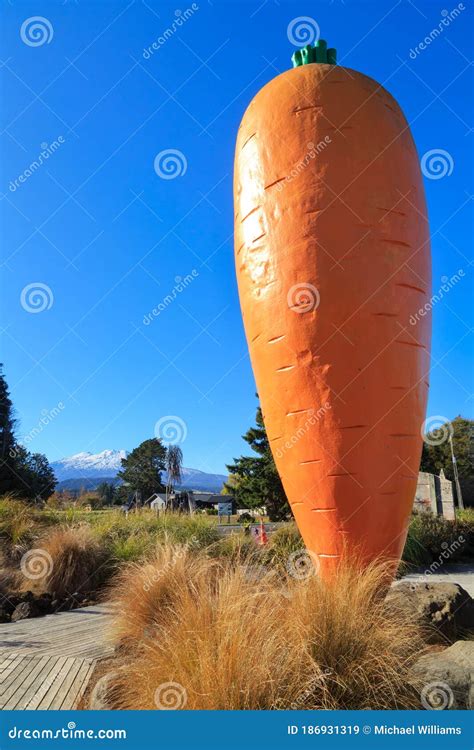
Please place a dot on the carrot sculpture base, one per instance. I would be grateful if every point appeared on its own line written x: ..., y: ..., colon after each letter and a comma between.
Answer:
x: 332, y: 257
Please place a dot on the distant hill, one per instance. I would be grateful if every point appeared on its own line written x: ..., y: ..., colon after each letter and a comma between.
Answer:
x: 88, y: 470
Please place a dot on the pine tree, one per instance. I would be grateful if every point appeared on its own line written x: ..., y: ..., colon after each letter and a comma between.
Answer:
x: 8, y: 480
x: 37, y: 479
x: 254, y: 480
x: 26, y: 475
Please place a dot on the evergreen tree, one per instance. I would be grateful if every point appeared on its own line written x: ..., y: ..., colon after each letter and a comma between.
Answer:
x: 8, y: 480
x: 106, y: 493
x: 27, y: 475
x: 254, y: 480
x: 436, y: 457
x: 37, y: 477
x: 141, y: 469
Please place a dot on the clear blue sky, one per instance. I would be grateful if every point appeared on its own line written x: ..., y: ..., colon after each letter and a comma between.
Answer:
x: 108, y: 236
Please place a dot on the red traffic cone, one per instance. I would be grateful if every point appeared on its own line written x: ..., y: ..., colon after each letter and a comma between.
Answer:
x: 262, y: 537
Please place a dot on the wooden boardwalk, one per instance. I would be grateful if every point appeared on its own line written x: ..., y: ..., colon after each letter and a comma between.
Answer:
x: 47, y: 662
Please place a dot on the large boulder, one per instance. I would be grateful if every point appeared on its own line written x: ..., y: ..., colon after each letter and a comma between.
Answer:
x: 448, y: 677
x: 446, y: 609
x: 25, y: 610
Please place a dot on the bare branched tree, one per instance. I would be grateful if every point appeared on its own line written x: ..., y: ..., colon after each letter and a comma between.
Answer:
x: 174, y: 463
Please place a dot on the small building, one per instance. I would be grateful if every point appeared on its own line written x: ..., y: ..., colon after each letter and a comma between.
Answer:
x: 159, y: 502
x: 190, y: 501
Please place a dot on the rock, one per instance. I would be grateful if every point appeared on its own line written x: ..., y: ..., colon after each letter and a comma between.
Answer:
x: 446, y: 608
x: 448, y: 677
x: 25, y: 610
x: 44, y: 604
x: 99, y: 699
x: 4, y: 614
x: 9, y: 603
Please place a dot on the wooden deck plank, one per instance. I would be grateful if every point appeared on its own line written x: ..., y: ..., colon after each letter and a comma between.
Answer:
x: 66, y: 684
x: 47, y: 662
x: 42, y: 676
x: 5, y: 661
x: 80, y: 683
x: 18, y: 695
x: 17, y: 677
x: 16, y: 667
x: 45, y: 687
x: 48, y: 698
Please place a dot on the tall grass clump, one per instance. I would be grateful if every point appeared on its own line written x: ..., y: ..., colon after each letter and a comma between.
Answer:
x: 71, y: 560
x: 130, y: 537
x: 17, y: 520
x: 226, y: 639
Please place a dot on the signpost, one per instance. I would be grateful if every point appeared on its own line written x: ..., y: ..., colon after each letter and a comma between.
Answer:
x: 224, y: 509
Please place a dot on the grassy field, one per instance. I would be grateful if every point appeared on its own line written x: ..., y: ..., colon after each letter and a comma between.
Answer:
x: 78, y: 540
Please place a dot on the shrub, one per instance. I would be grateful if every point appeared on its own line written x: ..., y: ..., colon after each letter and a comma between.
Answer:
x: 204, y: 634
x: 433, y: 538
x: 282, y: 544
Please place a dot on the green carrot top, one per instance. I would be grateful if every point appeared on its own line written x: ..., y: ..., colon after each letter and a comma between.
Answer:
x: 317, y: 54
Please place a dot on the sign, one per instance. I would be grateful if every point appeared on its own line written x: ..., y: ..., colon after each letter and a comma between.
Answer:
x: 224, y: 509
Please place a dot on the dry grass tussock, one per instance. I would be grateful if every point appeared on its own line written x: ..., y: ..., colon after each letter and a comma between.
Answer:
x: 70, y: 560
x: 229, y: 639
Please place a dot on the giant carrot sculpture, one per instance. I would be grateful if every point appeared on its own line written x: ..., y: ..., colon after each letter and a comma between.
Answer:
x: 332, y: 256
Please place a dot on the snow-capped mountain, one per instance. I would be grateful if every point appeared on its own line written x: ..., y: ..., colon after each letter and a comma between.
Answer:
x: 93, y: 468
x: 105, y: 464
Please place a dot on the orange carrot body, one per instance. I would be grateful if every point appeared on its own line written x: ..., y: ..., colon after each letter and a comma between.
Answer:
x: 332, y: 256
